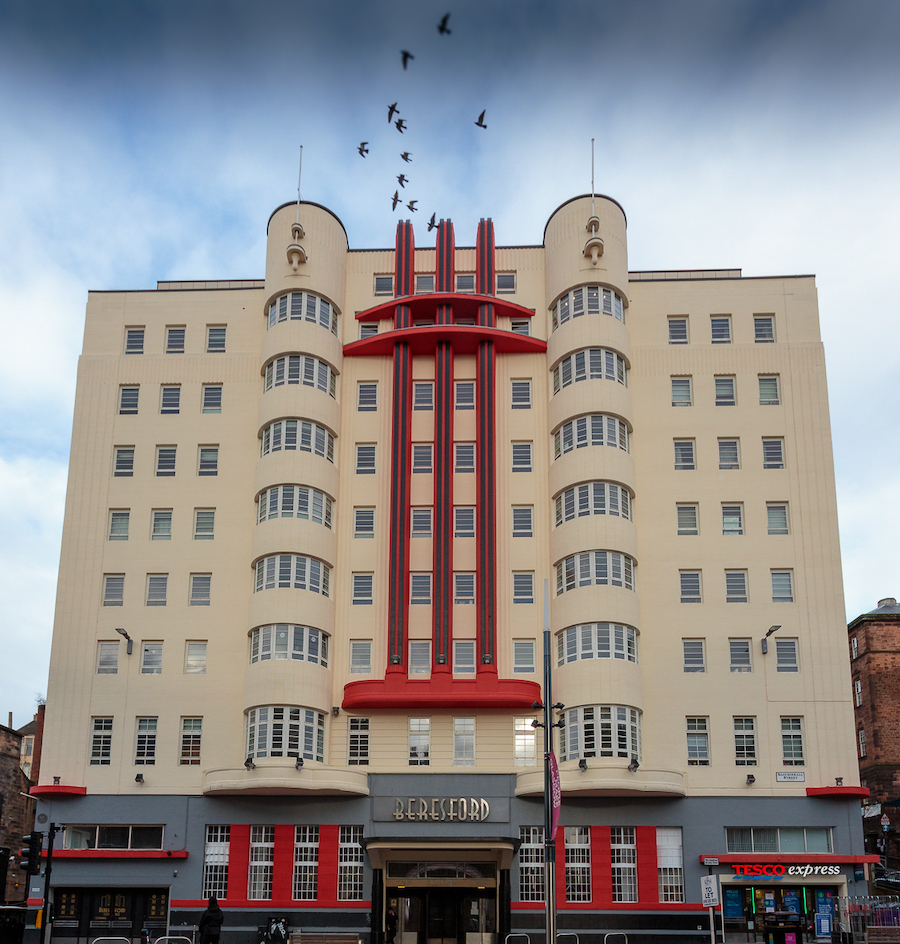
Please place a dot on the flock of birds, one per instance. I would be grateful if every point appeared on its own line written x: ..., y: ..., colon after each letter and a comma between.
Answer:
x: 401, y: 125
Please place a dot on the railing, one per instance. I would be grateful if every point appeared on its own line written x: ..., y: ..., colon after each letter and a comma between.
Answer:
x: 864, y: 919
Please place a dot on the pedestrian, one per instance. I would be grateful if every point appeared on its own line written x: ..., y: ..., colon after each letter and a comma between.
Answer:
x: 390, y: 924
x: 211, y: 922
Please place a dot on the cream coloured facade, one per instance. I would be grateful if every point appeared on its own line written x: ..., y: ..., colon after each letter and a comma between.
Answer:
x: 309, y: 523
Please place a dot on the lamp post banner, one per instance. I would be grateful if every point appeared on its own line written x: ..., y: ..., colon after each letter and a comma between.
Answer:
x: 555, y: 796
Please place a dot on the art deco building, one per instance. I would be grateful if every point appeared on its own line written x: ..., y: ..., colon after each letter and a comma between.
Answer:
x: 309, y: 524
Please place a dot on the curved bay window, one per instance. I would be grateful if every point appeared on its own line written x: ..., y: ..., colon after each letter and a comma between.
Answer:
x: 588, y: 300
x: 596, y: 641
x: 294, y: 501
x: 601, y: 731
x: 303, y: 306
x: 300, y: 435
x: 596, y: 429
x: 593, y: 498
x: 287, y: 641
x: 603, y: 568
x: 595, y: 363
x: 301, y: 369
x: 294, y: 571
x: 286, y: 731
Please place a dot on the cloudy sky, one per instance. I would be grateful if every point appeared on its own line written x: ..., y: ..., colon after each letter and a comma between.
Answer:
x: 151, y: 140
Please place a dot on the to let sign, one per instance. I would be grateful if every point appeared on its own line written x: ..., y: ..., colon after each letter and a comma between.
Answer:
x: 709, y: 891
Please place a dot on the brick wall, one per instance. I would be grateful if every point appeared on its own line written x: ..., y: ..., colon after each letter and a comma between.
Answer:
x: 17, y: 812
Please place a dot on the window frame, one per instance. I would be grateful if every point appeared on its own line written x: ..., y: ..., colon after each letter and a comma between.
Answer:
x: 685, y: 455
x: 740, y: 655
x: 764, y: 329
x: 676, y: 336
x: 684, y: 528
x: 697, y: 733
x: 687, y: 586
x: 725, y: 390
x: 773, y: 524
x: 119, y: 523
x: 693, y: 655
x: 767, y: 399
x: 522, y: 453
x: 216, y: 341
x: 364, y: 521
x: 682, y: 390
x: 129, y: 399
x: 720, y: 329
x: 365, y: 459
x: 367, y: 396
x: 208, y: 460
x: 736, y: 585
x: 204, y: 524
x: 151, y: 657
x: 729, y: 462
x: 211, y: 398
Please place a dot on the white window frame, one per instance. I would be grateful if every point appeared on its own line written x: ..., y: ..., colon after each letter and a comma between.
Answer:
x: 685, y: 455
x: 675, y: 324
x: 419, y: 742
x: 305, y: 876
x: 524, y: 743
x: 773, y: 452
x: 769, y: 389
x: 460, y: 525
x: 744, y: 741
x: 520, y: 394
x: 736, y: 586
x: 161, y: 524
x: 170, y: 399
x: 464, y: 658
x: 420, y: 657
x: 697, y: 727
x: 693, y: 655
x: 358, y: 742
x: 151, y: 657
x: 691, y: 588
x: 364, y: 522
x: 464, y: 457
x: 764, y: 329
x: 360, y: 656
x: 523, y: 657
x: 208, y: 460
x: 522, y: 457
x: 201, y: 590
x: 464, y: 588
x: 365, y: 458
x: 787, y: 655
x: 191, y: 742
x: 523, y: 586
x: 108, y: 657
x: 129, y: 397
x: 113, y: 589
x: 204, y: 524
x: 423, y: 458
x: 421, y: 588
x: 687, y: 515
x: 729, y: 454
x: 157, y: 590
x: 792, y: 753
x: 367, y: 396
x: 623, y: 855
x: 175, y: 336
x: 215, y: 339
x: 720, y: 329
x: 464, y: 395
x: 423, y: 395
x: 740, y: 656
x: 166, y: 457
x: 363, y: 589
x: 732, y: 518
x: 119, y: 520
x: 775, y: 512
x: 211, y: 401
x: 463, y: 742
x: 522, y: 521
x: 726, y: 390
x: 682, y: 393
x: 782, y: 586
x: 195, y: 652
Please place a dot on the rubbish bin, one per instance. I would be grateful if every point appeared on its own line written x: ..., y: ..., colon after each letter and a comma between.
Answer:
x: 782, y: 927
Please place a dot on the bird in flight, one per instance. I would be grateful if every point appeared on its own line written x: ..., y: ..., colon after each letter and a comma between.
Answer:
x: 401, y: 125
x: 480, y: 121
x: 395, y: 200
x: 406, y: 57
x: 391, y: 109
x: 363, y: 150
x: 407, y: 156
x: 402, y: 180
x: 431, y: 222
x: 442, y: 26
x: 411, y: 206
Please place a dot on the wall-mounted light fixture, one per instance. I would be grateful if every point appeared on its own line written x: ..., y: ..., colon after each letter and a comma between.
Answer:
x: 582, y: 764
x: 138, y: 778
x: 299, y: 763
x: 129, y: 642
x: 335, y: 710
x: 750, y: 780
x: 248, y: 763
x: 838, y: 781
x: 633, y: 766
x: 765, y: 640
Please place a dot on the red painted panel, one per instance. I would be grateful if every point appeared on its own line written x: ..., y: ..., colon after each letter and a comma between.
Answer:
x: 789, y: 858
x: 464, y: 339
x: 613, y: 906
x: 441, y: 691
x: 560, y: 844
x: 271, y: 904
x: 647, y: 875
x: 238, y: 863
x: 601, y: 866
x: 829, y: 791
x: 283, y: 863
x: 58, y: 789
x: 425, y: 306
x: 329, y: 837
x: 118, y: 853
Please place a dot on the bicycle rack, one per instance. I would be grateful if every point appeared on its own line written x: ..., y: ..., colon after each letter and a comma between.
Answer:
x: 610, y: 934
x: 560, y: 934
x: 127, y: 940
x: 172, y: 937
x: 517, y: 934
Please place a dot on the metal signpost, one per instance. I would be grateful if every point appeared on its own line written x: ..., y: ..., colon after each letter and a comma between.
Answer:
x: 709, y: 893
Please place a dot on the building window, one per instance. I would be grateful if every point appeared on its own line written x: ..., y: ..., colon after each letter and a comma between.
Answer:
x: 782, y: 586
x: 289, y: 641
x: 306, y: 863
x: 786, y: 839
x: 862, y: 742
x: 597, y: 429
x: 745, y: 742
x: 739, y: 653
x: 694, y: 655
x: 423, y: 395
x: 684, y: 454
x: 464, y: 656
x: 360, y: 656
x: 523, y: 656
x: 170, y: 400
x: 365, y: 459
x: 623, y: 850
x: 603, y: 568
x: 773, y: 453
x: 670, y: 863
x: 463, y: 522
x: 195, y: 657
x: 421, y: 522
x: 215, y: 339
x: 792, y: 742
x: 578, y: 863
x: 215, y: 861
x: 286, y: 731
x: 521, y: 395
x: 698, y: 742
x: 506, y: 283
x: 113, y: 589
x: 678, y: 330
x: 777, y: 518
x: 588, y: 300
x: 524, y: 742
x: 367, y: 397
x: 465, y: 395
x: 522, y: 521
x: 600, y: 731
x: 200, y: 589
x: 681, y: 391
x: 720, y: 327
x: 463, y: 742
x: 465, y: 282
x: 764, y: 329
x: 175, y: 340
x: 156, y: 589
x: 420, y: 657
x: 597, y: 363
x: 420, y: 588
x: 422, y: 457
x: 523, y: 587
x: 118, y: 525
x: 593, y: 498
x: 531, y: 862
x: 364, y: 522
x: 204, y: 524
x: 107, y: 658
x: 134, y: 340
x: 191, y: 734
x: 151, y: 658
x: 292, y: 570
x: 350, y: 863
x: 161, y: 524
x: 101, y: 741
x: 725, y: 391
x: 209, y: 461
x: 688, y: 519
x: 464, y: 589
x: 419, y: 741
x: 521, y: 457
x: 732, y: 519
x: 128, y: 400
x: 165, y: 461
x: 303, y: 306
x: 362, y: 589
x: 786, y: 655
x: 857, y: 683
x: 303, y: 436
x: 384, y: 285
x: 295, y: 501
x: 596, y: 641
x: 262, y: 859
x: 689, y: 581
x: 768, y: 391
x: 854, y: 647
x: 729, y: 454
x: 367, y: 329
x: 302, y: 369
x: 124, y: 462
x: 464, y: 457
x: 212, y: 398
x: 424, y: 284
x: 358, y: 742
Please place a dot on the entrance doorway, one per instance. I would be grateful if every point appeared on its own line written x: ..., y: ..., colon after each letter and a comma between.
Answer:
x: 444, y: 915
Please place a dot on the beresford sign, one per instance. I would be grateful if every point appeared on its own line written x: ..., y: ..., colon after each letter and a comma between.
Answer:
x: 432, y: 809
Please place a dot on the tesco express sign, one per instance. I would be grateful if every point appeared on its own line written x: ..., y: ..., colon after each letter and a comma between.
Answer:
x: 769, y: 868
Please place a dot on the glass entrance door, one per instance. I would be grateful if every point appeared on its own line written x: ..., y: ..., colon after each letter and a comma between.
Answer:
x: 444, y: 915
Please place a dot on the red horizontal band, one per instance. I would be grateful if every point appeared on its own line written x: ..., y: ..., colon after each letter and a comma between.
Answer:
x: 227, y: 904
x: 119, y: 853
x: 464, y: 306
x: 58, y: 789
x: 396, y: 690
x: 788, y: 858
x: 464, y: 339
x: 837, y: 791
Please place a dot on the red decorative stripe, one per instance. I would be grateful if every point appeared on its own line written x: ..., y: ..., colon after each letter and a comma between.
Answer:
x: 405, y: 255
x: 647, y: 879
x: 484, y: 255
x: 441, y: 691
x: 401, y: 447
x: 117, y: 853
x: 789, y: 858
x: 442, y: 610
x: 316, y: 904
x: 58, y: 789
x: 329, y: 843
x: 465, y: 306
x: 239, y: 863
x: 446, y: 245
x: 833, y: 791
x: 464, y: 339
x: 486, y: 594
x: 283, y: 862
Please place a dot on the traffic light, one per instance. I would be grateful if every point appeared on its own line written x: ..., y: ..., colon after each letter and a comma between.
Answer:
x: 31, y: 854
